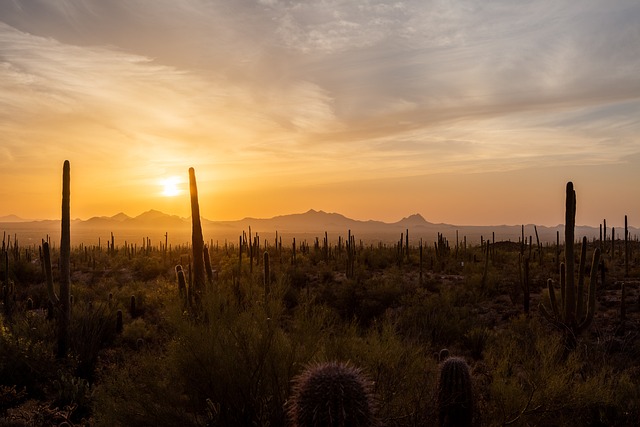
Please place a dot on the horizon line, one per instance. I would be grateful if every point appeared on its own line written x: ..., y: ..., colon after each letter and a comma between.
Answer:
x: 311, y: 210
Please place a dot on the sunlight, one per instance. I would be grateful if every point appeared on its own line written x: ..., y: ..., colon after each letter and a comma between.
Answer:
x: 171, y: 186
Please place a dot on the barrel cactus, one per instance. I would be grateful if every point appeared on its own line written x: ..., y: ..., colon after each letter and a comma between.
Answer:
x: 332, y: 394
x: 455, y: 394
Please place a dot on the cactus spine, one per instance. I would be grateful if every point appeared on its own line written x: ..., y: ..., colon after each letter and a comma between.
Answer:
x: 572, y: 315
x: 455, y: 394
x: 332, y: 394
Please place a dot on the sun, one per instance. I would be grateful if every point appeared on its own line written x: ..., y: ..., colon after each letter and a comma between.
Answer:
x: 171, y: 186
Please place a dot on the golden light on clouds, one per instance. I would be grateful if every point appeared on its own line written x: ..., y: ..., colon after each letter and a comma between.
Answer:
x: 371, y: 109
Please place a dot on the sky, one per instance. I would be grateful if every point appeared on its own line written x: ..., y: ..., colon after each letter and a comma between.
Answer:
x: 469, y: 112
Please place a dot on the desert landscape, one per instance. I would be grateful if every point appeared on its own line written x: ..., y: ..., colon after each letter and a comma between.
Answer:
x: 528, y: 333
x: 289, y: 213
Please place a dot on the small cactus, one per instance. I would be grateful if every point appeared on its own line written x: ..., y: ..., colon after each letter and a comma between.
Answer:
x: 332, y: 394
x: 455, y: 394
x: 132, y: 306
x: 182, y: 282
x: 267, y: 278
x: 119, y: 325
x: 207, y: 265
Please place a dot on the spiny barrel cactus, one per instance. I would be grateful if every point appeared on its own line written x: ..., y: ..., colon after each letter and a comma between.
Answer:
x: 332, y: 394
x: 455, y: 394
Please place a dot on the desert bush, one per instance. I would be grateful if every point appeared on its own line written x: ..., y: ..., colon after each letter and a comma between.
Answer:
x: 10, y: 397
x: 403, y: 375
x: 436, y: 319
x: 138, y: 329
x: 534, y: 377
x: 92, y: 328
x: 24, y: 362
x: 144, y: 391
x: 362, y: 300
x: 475, y: 341
x: 241, y: 359
x: 146, y: 268
x: 71, y: 391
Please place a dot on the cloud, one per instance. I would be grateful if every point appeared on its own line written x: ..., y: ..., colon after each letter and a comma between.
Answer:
x: 288, y: 88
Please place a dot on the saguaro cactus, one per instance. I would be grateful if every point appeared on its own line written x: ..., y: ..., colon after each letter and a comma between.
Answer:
x: 207, y: 265
x: 197, y: 241
x: 62, y: 302
x: 267, y: 277
x: 332, y: 394
x: 182, y: 283
x: 455, y: 394
x: 571, y: 315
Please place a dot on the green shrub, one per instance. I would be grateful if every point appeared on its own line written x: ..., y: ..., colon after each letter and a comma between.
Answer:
x: 535, y: 378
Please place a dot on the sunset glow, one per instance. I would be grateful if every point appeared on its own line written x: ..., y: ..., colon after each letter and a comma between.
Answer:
x: 171, y: 186
x: 467, y: 112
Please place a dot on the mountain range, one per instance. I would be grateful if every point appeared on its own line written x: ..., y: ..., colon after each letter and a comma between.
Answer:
x: 308, y: 225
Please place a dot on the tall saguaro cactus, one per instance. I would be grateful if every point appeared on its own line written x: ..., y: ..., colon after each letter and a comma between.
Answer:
x: 197, y: 241
x: 569, y: 237
x: 571, y: 315
x: 62, y: 302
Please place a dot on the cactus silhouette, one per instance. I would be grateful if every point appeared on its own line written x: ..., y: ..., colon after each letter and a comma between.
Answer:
x: 455, y: 394
x: 197, y: 241
x: 572, y: 314
x: 332, y: 394
x: 182, y: 283
x: 62, y: 302
x: 119, y: 325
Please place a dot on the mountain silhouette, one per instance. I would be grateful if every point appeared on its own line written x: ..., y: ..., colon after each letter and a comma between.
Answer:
x: 307, y: 225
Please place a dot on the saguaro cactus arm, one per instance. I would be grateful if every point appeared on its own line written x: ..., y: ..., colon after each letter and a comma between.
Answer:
x: 53, y: 297
x: 591, y: 304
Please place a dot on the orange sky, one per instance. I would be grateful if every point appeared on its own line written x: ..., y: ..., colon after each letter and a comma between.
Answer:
x: 468, y: 113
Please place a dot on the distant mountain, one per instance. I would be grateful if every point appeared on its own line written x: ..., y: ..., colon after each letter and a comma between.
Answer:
x: 120, y: 217
x: 310, y: 221
x: 153, y: 218
x: 415, y: 220
x: 307, y: 225
x: 13, y: 218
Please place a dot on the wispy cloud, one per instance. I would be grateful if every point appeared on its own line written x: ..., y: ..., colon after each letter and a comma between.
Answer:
x: 287, y: 89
